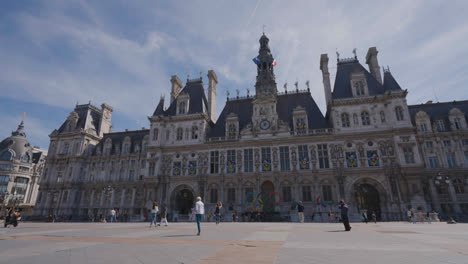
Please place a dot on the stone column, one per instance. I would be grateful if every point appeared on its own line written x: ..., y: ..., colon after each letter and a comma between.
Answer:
x: 435, y: 196
x: 91, y: 200
x: 133, y: 197
x: 122, y: 198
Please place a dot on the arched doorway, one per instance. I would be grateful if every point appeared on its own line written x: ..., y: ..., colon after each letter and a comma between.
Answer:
x: 267, y: 188
x: 367, y: 199
x: 184, y: 201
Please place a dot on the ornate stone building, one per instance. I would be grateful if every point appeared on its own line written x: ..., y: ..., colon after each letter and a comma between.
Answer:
x: 21, y: 167
x: 266, y: 151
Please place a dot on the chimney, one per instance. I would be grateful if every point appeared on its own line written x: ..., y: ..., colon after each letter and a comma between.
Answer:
x: 371, y: 60
x: 176, y: 87
x: 326, y: 78
x: 212, y: 81
x: 105, y: 125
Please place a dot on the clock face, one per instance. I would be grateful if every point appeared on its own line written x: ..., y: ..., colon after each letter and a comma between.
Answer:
x: 265, y: 124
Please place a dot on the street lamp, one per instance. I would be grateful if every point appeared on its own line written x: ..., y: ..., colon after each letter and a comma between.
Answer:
x: 443, y: 181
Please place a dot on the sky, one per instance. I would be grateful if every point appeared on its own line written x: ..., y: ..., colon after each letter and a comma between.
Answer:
x: 55, y: 54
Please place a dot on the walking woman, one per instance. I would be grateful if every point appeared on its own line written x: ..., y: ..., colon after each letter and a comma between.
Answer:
x: 164, y: 214
x: 154, y: 213
x: 219, y: 205
x: 344, y: 215
x: 199, y: 211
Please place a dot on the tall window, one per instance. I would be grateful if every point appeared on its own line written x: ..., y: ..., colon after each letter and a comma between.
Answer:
x: 126, y: 148
x: 458, y: 185
x: 231, y: 195
x: 6, y: 155
x: 168, y: 134
x: 451, y: 159
x: 345, y: 120
x: 429, y: 144
x: 248, y: 160
x: 19, y: 187
x: 180, y: 133
x: 182, y: 108
x: 231, y: 161
x: 399, y: 113
x: 306, y: 194
x: 303, y: 156
x: 151, y: 168
x: 323, y: 156
x: 327, y: 192
x: 409, y: 155
x: 59, y: 177
x: 284, y: 159
x: 365, y: 118
x: 65, y: 148
x: 433, y: 162
x: 422, y: 127
x: 287, y: 197
x: 447, y: 143
x: 194, y: 132
x: 440, y: 125
x: 214, y: 162
x: 457, y: 123
x: 213, y: 195
x: 4, y: 179
x: 466, y: 158
x: 155, y: 134
x: 359, y: 86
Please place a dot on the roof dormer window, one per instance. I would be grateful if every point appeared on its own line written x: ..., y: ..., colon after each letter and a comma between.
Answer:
x: 359, y: 84
x: 183, y: 104
x: 182, y: 108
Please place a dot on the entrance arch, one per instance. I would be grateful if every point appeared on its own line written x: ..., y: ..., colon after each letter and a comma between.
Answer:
x: 267, y: 188
x: 182, y: 200
x: 368, y: 199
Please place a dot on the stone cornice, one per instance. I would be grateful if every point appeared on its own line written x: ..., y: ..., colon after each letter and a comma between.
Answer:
x: 369, y: 99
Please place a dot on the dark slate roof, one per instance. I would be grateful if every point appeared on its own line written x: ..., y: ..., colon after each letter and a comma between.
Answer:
x: 342, y: 87
x: 390, y: 84
x: 136, y: 138
x: 82, y: 111
x: 437, y: 111
x: 196, y: 92
x: 160, y: 108
x: 286, y: 103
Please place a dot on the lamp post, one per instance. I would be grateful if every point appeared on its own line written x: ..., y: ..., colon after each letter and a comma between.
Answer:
x: 107, y: 191
x: 443, y: 181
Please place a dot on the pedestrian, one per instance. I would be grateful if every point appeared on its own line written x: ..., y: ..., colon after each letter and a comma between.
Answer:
x: 337, y: 218
x: 364, y: 216
x: 413, y: 216
x: 344, y: 215
x: 330, y: 216
x: 200, y: 212
x: 408, y: 214
x: 421, y: 217
x: 217, y: 211
x: 154, y: 213
x: 112, y: 215
x: 164, y: 215
x: 192, y: 215
x: 374, y: 217
x: 428, y: 217
x: 300, y: 212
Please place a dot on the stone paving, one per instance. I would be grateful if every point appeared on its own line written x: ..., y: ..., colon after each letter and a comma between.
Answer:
x: 234, y: 243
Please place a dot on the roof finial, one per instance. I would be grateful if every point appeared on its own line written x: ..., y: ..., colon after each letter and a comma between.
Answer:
x: 337, y: 55
x: 355, y: 54
x: 297, y: 86
x: 307, y: 84
x: 201, y: 75
x: 285, y: 87
x: 237, y: 92
x: 248, y: 92
x: 264, y: 29
x: 227, y: 94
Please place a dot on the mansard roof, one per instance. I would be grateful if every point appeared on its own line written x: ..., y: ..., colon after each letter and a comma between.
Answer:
x: 286, y: 103
x: 439, y: 111
x: 390, y: 84
x: 196, y: 93
x: 136, y: 137
x: 342, y: 87
x: 89, y: 116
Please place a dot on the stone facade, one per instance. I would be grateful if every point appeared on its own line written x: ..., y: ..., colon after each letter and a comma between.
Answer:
x: 268, y: 151
x: 21, y: 166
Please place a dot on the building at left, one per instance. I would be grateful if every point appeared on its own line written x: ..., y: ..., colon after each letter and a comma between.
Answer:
x: 21, y: 166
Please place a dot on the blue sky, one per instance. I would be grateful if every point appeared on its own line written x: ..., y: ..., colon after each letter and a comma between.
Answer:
x: 54, y: 54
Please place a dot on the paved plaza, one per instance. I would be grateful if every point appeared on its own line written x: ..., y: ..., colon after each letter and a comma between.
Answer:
x: 234, y: 243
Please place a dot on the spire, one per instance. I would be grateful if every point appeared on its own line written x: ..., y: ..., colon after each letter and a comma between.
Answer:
x: 20, y: 130
x: 265, y: 85
x: 160, y: 108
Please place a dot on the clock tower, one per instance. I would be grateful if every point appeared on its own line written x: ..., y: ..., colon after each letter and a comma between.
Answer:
x: 265, y: 117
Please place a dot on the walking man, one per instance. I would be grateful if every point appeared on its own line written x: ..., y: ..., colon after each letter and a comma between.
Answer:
x: 344, y: 215
x: 112, y: 215
x: 164, y: 215
x: 199, y: 211
x: 300, y: 212
x: 219, y: 205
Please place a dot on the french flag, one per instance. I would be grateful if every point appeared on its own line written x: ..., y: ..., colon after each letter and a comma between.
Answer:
x: 256, y: 60
x: 274, y: 62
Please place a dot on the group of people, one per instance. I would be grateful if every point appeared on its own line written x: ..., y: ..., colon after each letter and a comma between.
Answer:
x: 415, y: 217
x: 155, y: 212
x: 12, y: 217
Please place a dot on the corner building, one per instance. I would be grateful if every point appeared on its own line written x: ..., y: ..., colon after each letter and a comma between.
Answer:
x: 267, y: 151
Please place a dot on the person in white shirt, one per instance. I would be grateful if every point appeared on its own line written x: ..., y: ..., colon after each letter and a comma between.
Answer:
x: 154, y: 213
x: 112, y: 215
x: 200, y: 212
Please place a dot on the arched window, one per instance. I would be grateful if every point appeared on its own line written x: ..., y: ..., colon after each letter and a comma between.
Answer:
x: 26, y: 158
x: 180, y: 133
x: 458, y: 185
x: 155, y: 134
x: 399, y: 113
x: 345, y: 120
x: 365, y: 118
x: 359, y: 86
x: 6, y: 155
x: 194, y: 132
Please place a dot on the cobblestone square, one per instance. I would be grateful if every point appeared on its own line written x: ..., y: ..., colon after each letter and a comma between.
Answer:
x: 392, y: 242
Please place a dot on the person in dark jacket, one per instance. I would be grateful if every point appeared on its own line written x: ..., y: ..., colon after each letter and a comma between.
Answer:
x: 344, y: 215
x: 300, y: 212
